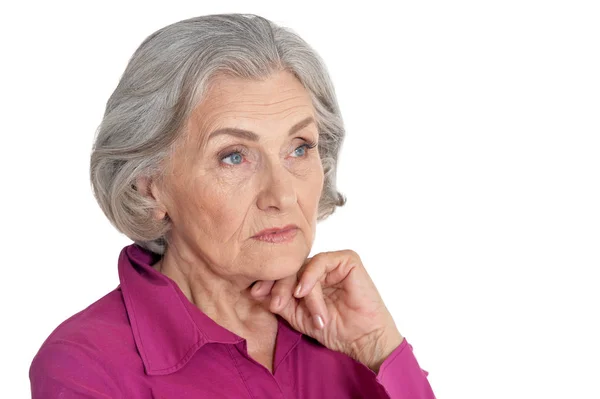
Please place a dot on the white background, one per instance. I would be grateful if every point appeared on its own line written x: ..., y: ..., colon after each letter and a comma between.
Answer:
x: 471, y: 167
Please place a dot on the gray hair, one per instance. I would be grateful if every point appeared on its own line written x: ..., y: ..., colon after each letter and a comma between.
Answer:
x: 166, y: 78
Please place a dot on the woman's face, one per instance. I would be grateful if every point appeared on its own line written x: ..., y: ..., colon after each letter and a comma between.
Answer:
x: 226, y: 186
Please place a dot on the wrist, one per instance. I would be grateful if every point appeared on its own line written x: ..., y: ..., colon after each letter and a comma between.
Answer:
x: 372, y: 349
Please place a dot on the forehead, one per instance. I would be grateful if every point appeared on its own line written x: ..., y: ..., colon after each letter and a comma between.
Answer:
x: 272, y: 104
x: 281, y: 88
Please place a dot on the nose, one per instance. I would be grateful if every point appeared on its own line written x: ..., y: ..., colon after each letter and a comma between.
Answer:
x: 277, y: 191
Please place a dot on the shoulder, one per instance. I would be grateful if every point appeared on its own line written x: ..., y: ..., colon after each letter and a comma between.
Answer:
x: 99, y: 326
x: 87, y: 348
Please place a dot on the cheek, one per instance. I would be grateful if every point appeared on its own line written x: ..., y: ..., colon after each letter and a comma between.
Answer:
x: 310, y: 189
x: 220, y: 207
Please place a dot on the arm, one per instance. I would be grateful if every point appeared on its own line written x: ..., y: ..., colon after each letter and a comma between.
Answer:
x: 65, y: 371
x: 402, y: 377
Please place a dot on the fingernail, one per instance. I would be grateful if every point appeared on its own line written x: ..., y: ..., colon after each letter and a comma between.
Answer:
x: 319, y: 322
x: 298, y: 289
x: 256, y: 287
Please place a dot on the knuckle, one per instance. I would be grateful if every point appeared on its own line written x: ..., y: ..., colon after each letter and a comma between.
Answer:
x: 351, y: 253
x: 319, y: 257
x: 353, y: 257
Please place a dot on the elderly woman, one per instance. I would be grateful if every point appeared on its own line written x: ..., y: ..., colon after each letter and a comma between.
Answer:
x: 216, y: 156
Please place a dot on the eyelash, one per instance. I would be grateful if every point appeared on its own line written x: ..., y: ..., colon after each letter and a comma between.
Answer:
x: 309, y: 145
x: 241, y: 150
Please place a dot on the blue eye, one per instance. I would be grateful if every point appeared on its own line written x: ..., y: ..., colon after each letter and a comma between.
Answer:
x: 300, y: 151
x: 235, y: 158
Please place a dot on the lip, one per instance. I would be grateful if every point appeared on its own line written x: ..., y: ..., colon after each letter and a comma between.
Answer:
x: 277, y: 234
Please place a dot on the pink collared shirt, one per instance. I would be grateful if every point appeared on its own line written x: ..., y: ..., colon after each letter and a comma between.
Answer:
x: 146, y: 340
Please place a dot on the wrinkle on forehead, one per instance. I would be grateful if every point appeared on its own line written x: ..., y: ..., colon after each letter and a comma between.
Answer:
x: 231, y: 99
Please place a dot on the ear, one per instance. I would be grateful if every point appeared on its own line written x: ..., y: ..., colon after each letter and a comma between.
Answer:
x: 148, y: 187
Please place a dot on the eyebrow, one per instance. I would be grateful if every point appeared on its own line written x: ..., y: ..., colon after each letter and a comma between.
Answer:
x: 249, y: 135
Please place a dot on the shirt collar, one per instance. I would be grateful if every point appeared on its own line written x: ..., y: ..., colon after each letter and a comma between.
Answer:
x: 168, y: 329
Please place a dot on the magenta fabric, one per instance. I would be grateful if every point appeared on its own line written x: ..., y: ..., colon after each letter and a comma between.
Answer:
x: 145, y: 340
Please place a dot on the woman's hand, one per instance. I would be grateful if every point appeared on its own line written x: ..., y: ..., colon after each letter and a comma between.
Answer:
x: 333, y: 299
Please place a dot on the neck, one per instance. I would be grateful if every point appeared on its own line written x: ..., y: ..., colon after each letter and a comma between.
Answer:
x: 225, y: 299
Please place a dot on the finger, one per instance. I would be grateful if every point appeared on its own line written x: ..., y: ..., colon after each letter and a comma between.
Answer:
x: 310, y: 273
x: 261, y: 288
x: 282, y: 292
x: 338, y: 263
x: 315, y: 303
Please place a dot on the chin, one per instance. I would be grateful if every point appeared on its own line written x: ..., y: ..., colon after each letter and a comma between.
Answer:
x: 278, y: 267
